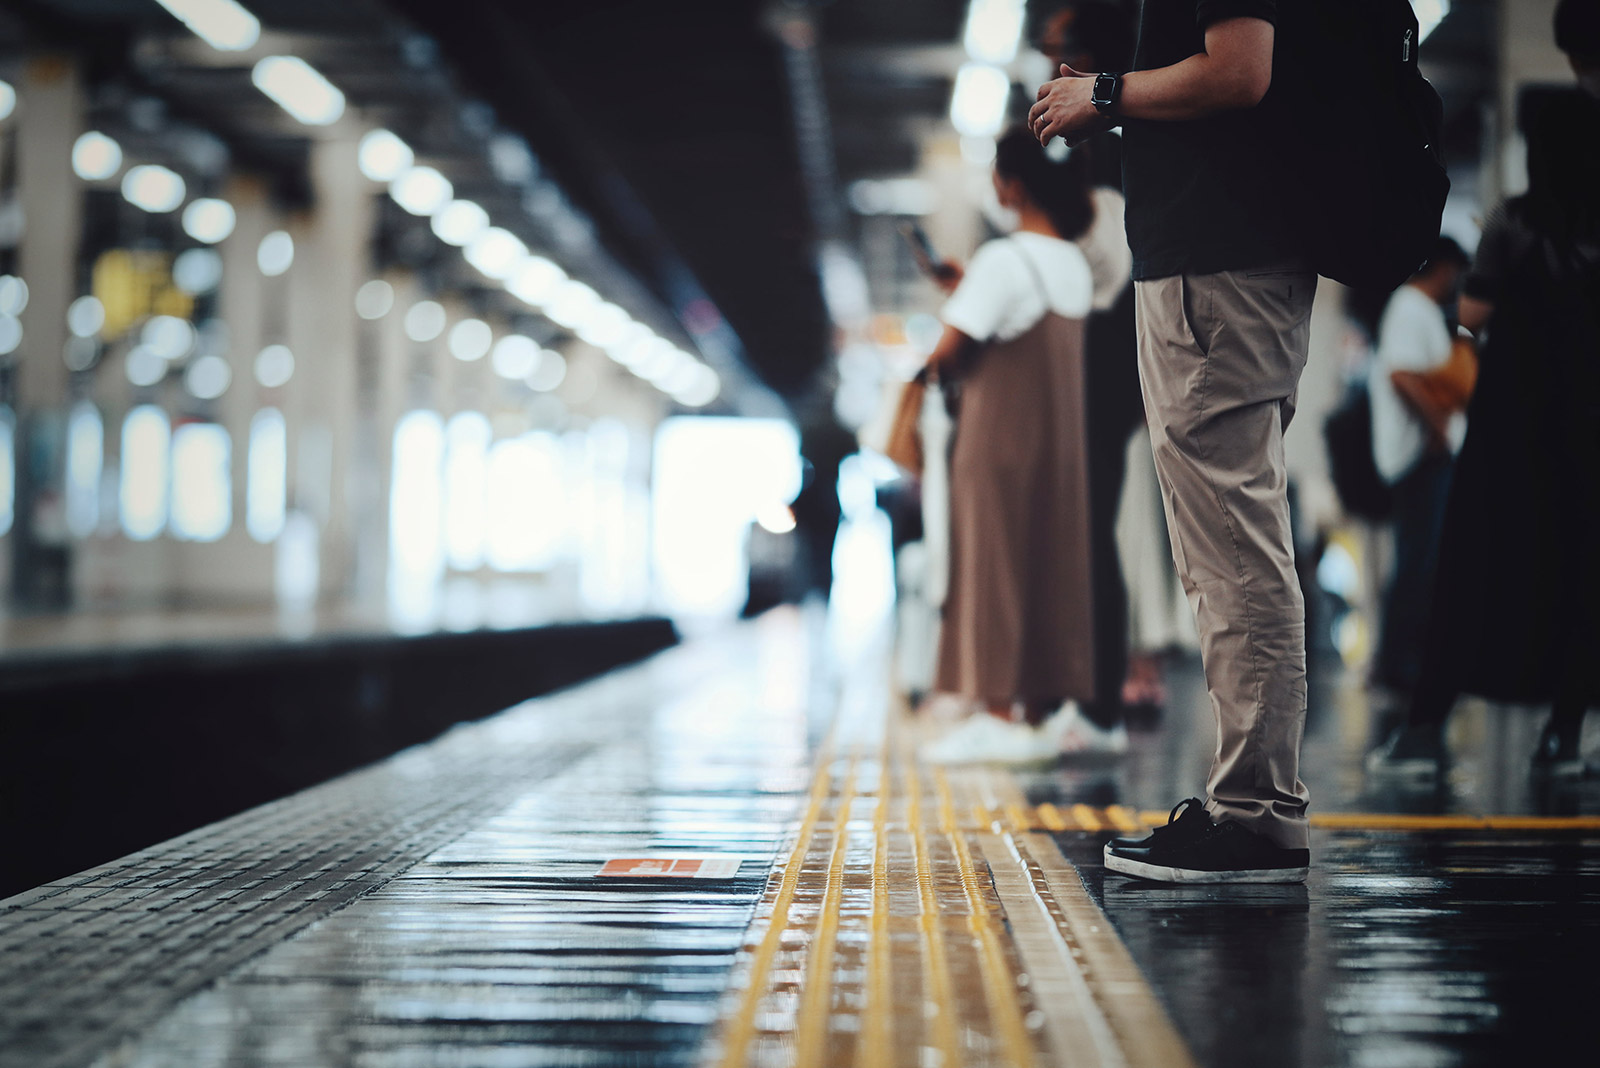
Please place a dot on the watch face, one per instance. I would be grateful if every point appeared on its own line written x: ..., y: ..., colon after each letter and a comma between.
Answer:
x: 1104, y: 86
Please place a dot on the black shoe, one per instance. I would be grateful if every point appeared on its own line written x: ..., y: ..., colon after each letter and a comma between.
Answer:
x: 1411, y: 752
x: 1194, y: 848
x: 1183, y: 814
x: 1557, y: 757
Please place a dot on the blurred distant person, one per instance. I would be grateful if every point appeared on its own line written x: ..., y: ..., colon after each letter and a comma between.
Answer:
x: 1098, y: 35
x: 1018, y: 614
x: 1516, y: 606
x: 1577, y: 26
x: 1224, y: 308
x: 1413, y: 444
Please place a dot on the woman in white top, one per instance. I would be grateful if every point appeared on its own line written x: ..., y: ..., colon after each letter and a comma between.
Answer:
x: 1017, y: 626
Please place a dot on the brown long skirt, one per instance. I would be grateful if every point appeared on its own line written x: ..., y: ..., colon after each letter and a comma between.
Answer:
x: 1018, y: 615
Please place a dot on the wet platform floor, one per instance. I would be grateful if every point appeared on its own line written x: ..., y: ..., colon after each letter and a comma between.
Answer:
x: 444, y: 907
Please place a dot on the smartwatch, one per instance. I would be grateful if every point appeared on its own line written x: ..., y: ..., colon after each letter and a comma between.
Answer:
x: 1107, y: 88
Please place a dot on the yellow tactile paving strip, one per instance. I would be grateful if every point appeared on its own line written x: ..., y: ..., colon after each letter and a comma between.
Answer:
x: 901, y: 933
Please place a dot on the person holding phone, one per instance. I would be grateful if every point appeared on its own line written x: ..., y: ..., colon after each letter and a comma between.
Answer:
x: 1017, y: 630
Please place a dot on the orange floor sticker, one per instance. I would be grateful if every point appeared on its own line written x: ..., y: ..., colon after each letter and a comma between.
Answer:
x: 701, y: 867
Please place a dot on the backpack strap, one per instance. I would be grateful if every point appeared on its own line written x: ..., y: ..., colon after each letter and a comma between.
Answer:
x: 1033, y: 271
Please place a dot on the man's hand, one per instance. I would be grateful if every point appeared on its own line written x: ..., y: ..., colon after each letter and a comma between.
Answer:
x: 1062, y: 109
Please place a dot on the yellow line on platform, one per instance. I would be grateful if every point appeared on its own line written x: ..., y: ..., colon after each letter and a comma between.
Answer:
x: 1050, y: 816
x: 741, y: 1028
x: 936, y: 967
x: 816, y: 996
x: 876, y: 1048
x: 999, y: 982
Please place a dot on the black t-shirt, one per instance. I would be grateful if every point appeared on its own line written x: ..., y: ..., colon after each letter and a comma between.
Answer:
x: 1206, y: 195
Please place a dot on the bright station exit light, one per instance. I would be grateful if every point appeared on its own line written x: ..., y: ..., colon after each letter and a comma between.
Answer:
x: 978, y: 105
x: 993, y: 29
x: 298, y: 88
x: 222, y: 24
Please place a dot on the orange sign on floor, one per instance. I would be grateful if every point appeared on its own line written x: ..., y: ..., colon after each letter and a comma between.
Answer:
x: 671, y: 868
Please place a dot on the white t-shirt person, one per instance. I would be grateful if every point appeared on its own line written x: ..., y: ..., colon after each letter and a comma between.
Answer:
x: 1412, y: 336
x: 999, y: 297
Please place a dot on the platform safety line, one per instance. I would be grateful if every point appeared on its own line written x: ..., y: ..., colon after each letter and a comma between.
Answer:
x: 741, y: 1028
x: 876, y: 1048
x: 999, y: 984
x: 935, y: 958
x: 816, y: 996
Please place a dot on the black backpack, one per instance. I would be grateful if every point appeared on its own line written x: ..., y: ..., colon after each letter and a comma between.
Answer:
x: 1361, y: 128
x: 1348, y: 435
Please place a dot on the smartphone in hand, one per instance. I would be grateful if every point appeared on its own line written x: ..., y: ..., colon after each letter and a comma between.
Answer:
x: 922, y: 251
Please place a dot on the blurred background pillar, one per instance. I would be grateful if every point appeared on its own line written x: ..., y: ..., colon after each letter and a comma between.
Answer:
x: 1528, y: 56
x: 50, y: 116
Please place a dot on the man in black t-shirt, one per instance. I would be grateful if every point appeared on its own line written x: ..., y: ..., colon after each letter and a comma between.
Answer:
x: 1224, y: 307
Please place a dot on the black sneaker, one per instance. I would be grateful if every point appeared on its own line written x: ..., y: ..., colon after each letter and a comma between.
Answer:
x: 1411, y: 752
x: 1194, y: 848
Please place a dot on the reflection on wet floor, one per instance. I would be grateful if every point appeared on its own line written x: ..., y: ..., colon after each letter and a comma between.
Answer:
x: 446, y: 907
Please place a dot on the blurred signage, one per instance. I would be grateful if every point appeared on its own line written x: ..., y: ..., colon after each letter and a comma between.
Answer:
x: 134, y: 284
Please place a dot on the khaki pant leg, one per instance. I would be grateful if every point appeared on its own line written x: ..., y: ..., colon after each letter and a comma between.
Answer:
x: 1220, y: 358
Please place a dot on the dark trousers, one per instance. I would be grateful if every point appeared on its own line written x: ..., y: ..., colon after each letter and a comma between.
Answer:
x: 1108, y: 461
x: 1419, y: 501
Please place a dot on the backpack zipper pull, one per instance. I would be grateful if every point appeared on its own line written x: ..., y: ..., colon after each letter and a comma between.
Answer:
x: 1405, y: 52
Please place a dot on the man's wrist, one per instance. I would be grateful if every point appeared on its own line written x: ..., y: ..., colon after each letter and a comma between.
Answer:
x: 1106, y: 94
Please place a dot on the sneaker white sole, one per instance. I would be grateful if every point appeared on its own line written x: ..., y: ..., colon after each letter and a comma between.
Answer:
x: 1158, y: 873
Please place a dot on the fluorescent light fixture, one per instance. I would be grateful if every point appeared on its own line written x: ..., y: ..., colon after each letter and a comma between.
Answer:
x: 86, y: 316
x: 197, y: 270
x: 10, y: 334
x: 168, y: 336
x: 13, y: 295
x: 421, y: 190
x: 144, y: 366
x: 470, y: 340
x: 460, y: 222
x: 497, y: 253
x: 274, y: 366
x: 993, y: 29
x: 209, y: 220
x: 978, y: 105
x: 222, y: 24
x: 571, y: 303
x: 551, y: 372
x: 374, y: 299
x: 275, y: 254
x: 515, y: 356
x: 298, y: 88
x: 535, y: 281
x: 96, y: 157
x: 153, y: 188
x: 702, y: 391
x: 1429, y: 14
x: 424, y: 320
x: 383, y: 157
x: 604, y: 326
x: 208, y: 377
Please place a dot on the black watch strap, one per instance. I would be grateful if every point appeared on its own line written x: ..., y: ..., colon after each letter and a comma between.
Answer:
x: 1107, y: 90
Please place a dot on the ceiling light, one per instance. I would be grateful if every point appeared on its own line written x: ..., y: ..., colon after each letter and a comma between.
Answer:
x: 535, y: 281
x: 13, y: 295
x: 144, y: 366
x: 374, y: 299
x: 168, y: 336
x: 702, y: 391
x: 571, y: 303
x: 208, y: 377
x: 978, y: 104
x: 497, y: 253
x: 515, y: 356
x: 274, y: 366
x: 605, y: 325
x: 993, y: 29
x: 197, y: 270
x: 153, y: 188
x: 551, y: 372
x: 299, y: 89
x: 421, y: 190
x: 275, y: 254
x: 222, y: 24
x: 460, y: 222
x: 209, y: 220
x: 86, y: 316
x: 10, y: 334
x: 96, y: 157
x: 425, y: 320
x: 8, y: 100
x: 470, y: 339
x: 383, y: 157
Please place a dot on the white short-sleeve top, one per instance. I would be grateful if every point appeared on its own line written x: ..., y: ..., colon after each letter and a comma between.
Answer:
x: 1001, y: 297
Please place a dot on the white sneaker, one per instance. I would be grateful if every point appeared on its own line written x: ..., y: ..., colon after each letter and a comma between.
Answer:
x: 986, y: 739
x: 1074, y: 734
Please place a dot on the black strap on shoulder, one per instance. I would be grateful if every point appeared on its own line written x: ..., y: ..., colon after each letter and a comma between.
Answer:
x: 1033, y: 269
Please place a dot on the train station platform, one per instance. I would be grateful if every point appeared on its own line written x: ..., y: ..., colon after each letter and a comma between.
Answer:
x: 729, y: 855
